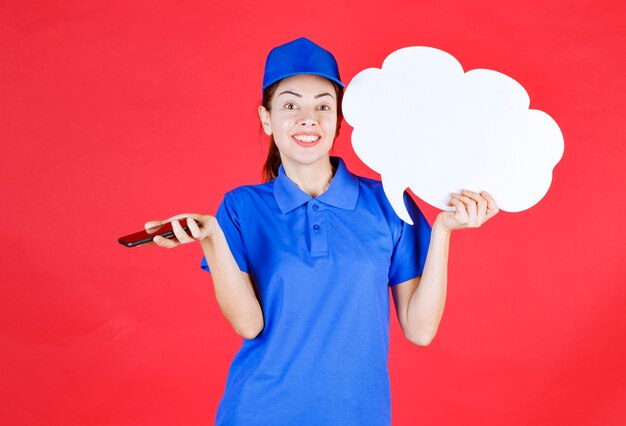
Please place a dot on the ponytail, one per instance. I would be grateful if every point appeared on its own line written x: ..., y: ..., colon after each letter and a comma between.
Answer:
x: 272, y: 162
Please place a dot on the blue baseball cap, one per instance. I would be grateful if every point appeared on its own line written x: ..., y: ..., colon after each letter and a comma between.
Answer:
x: 300, y: 56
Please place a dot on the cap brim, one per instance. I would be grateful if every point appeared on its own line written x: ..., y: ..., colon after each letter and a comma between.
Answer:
x: 298, y: 73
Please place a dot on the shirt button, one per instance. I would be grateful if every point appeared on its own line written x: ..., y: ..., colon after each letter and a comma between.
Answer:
x: 315, y: 207
x: 316, y: 227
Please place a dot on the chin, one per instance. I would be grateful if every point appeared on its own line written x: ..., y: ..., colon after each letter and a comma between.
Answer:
x: 307, y: 158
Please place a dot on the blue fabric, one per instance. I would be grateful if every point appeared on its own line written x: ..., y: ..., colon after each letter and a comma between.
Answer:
x: 300, y: 56
x: 322, y: 267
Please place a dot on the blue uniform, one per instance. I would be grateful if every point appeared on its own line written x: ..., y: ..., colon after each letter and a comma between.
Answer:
x: 322, y: 267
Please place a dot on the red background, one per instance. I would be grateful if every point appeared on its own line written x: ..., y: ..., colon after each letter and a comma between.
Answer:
x: 115, y: 113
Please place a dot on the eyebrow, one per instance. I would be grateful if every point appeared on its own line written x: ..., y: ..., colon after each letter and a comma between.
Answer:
x: 295, y: 94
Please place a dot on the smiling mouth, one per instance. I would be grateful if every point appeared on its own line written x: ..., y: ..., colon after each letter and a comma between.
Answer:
x: 306, y: 141
x: 306, y: 138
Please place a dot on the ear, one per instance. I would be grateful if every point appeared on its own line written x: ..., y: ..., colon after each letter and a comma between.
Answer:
x: 264, y: 115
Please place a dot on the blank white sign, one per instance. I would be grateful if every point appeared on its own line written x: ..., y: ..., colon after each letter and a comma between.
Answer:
x: 423, y: 123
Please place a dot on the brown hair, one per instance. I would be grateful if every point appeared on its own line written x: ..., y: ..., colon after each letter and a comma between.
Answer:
x: 273, y: 161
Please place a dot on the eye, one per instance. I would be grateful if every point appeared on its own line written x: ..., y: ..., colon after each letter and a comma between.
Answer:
x: 325, y: 108
x: 287, y: 106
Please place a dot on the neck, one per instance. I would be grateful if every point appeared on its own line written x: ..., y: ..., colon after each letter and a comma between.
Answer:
x: 314, y: 178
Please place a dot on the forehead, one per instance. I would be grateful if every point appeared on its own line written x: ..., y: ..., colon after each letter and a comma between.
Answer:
x: 305, y: 84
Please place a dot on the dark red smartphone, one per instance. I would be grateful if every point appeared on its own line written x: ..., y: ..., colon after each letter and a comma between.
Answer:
x: 143, y: 237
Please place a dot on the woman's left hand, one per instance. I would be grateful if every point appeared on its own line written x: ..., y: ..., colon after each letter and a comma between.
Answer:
x: 472, y: 210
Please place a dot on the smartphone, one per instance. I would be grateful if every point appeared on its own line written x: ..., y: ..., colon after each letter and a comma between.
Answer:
x: 147, y: 235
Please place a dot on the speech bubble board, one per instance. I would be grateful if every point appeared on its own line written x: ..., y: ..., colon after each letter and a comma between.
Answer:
x: 423, y: 123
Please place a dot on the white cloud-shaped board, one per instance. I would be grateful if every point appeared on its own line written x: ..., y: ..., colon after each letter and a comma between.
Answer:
x: 423, y: 123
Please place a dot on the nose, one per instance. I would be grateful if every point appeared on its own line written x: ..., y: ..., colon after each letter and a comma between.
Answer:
x: 308, y: 118
x: 309, y: 121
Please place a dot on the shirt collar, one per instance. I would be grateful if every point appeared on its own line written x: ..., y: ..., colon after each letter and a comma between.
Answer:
x: 343, y: 191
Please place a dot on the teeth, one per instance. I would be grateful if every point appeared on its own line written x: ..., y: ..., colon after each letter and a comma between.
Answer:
x: 303, y: 138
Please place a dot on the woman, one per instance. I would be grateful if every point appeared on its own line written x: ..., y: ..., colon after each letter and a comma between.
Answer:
x: 302, y: 263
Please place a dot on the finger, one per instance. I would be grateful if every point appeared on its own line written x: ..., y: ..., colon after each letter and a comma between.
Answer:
x: 481, y: 208
x: 180, y: 233
x: 471, y: 209
x: 152, y: 226
x: 165, y: 242
x: 456, y: 197
x: 473, y: 216
x: 182, y: 216
x: 466, y: 200
x: 459, y: 196
x: 460, y: 215
x: 193, y: 227
x: 492, y: 207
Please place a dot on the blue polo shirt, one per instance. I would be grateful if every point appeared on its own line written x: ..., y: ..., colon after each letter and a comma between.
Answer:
x: 322, y: 268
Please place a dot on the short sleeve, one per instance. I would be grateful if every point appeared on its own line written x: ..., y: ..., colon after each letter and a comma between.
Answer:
x: 229, y: 220
x: 409, y: 253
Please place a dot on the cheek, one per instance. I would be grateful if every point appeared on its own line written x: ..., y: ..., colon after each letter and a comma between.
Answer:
x: 330, y: 126
x: 280, y: 130
x: 281, y: 124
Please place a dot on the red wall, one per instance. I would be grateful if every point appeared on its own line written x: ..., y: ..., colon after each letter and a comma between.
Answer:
x: 115, y: 113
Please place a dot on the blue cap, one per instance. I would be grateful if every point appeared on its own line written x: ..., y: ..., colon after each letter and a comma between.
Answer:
x: 300, y: 56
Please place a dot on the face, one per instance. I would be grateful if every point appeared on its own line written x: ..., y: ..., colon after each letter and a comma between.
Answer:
x: 303, y: 119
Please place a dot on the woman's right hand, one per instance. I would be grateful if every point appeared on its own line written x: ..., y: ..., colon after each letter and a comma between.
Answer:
x: 208, y: 227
